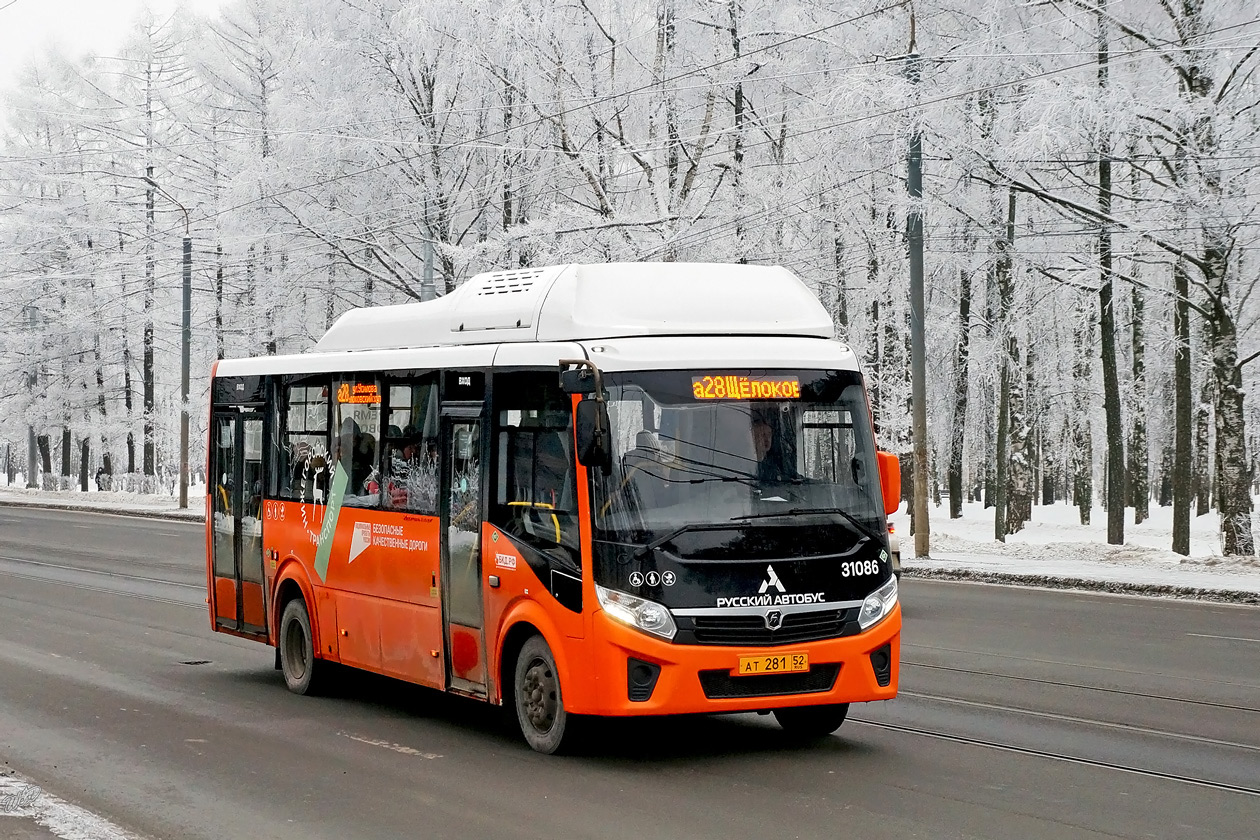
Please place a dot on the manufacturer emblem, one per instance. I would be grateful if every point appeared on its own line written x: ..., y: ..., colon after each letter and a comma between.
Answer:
x: 772, y: 579
x: 774, y: 620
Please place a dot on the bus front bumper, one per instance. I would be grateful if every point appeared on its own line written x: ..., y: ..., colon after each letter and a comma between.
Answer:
x: 666, y: 679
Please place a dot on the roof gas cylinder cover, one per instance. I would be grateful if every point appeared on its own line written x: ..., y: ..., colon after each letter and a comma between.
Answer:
x: 502, y: 300
x: 629, y: 299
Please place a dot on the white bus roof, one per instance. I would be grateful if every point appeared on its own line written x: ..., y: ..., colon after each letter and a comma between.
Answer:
x: 577, y: 302
x: 616, y: 354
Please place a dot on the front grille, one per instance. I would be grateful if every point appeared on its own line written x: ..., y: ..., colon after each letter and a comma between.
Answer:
x: 720, y: 684
x: 751, y: 629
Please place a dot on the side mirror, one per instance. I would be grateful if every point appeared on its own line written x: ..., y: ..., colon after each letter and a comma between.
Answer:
x: 578, y: 380
x: 591, y: 430
x: 890, y: 480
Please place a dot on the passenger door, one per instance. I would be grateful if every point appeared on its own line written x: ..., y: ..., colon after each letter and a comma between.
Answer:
x: 462, y: 513
x: 237, y: 489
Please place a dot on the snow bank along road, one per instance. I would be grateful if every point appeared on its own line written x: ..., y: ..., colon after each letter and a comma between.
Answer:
x: 1024, y: 713
x: 1056, y: 550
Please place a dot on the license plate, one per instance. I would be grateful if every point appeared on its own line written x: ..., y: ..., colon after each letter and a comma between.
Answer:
x: 778, y: 663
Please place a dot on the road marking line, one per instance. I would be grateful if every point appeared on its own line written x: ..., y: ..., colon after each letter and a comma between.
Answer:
x: 399, y: 748
x: 1230, y: 638
x: 1088, y: 762
x: 1072, y: 719
x: 201, y: 605
x: 80, y: 569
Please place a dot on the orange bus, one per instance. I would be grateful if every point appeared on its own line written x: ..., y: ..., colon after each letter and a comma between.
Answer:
x: 621, y: 489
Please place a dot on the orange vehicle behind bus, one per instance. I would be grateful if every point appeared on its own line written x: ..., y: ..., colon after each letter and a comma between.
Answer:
x: 625, y: 489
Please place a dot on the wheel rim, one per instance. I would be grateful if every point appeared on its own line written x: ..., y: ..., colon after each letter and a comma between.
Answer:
x: 540, y: 696
x: 295, y: 651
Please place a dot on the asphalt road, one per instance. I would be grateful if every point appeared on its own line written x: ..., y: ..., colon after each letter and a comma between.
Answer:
x: 1023, y: 714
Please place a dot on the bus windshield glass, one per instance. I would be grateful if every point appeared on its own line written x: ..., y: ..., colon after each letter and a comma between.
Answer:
x: 700, y: 452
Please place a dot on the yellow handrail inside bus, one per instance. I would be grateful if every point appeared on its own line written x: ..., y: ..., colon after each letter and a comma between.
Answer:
x: 555, y: 520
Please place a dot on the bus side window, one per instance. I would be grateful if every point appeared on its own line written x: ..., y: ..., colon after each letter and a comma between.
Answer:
x: 358, y: 429
x: 409, y: 465
x: 302, y: 441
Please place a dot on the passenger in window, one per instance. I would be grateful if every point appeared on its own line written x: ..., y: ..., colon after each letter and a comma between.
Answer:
x: 355, y: 453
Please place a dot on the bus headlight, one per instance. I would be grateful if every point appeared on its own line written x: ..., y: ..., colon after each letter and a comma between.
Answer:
x: 639, y: 613
x: 878, y: 605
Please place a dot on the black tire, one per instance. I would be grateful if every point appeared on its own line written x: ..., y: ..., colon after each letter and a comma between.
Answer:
x: 812, y: 721
x: 303, y: 673
x: 538, y: 698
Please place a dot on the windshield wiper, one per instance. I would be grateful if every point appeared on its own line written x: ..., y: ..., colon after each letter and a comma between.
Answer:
x: 799, y: 511
x: 660, y: 541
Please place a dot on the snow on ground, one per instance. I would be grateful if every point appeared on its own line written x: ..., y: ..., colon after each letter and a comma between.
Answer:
x: 1056, y: 545
x: 109, y: 501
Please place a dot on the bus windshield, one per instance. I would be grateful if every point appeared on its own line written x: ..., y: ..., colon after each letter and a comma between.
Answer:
x: 698, y: 452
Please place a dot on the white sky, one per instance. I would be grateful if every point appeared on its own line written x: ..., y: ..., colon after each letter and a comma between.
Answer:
x: 28, y: 27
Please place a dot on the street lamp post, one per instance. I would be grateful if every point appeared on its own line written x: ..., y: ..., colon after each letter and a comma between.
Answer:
x: 185, y: 348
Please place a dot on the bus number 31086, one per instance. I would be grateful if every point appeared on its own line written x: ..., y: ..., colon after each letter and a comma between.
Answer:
x: 859, y: 568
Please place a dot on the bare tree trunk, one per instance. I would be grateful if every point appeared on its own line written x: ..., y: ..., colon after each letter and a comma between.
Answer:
x: 1000, y: 456
x: 874, y: 371
x: 218, y: 301
x: 67, y: 466
x: 1181, y: 410
x: 1234, y: 476
x: 150, y: 288
x: 1139, y: 448
x: 128, y: 403
x: 1201, y: 482
x: 1107, y: 318
x: 1082, y: 437
x: 84, y: 462
x: 841, y: 308
x: 1139, y: 453
x: 1019, y: 470
x: 45, y: 458
x: 1009, y: 368
x: 735, y: 9
x: 956, y: 440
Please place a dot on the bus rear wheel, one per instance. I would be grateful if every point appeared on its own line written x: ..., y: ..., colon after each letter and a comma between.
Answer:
x: 302, y: 671
x: 812, y: 721
x: 539, y: 701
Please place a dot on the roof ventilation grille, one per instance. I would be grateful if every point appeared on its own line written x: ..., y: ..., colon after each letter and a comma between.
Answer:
x: 509, y: 282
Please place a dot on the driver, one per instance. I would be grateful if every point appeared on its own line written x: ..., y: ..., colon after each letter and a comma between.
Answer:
x: 772, y: 466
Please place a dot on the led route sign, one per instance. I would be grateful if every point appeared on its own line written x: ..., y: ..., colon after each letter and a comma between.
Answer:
x: 732, y: 387
x: 359, y: 393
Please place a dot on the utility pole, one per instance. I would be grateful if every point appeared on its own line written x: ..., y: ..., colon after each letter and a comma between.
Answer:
x: 184, y: 363
x: 428, y: 291
x: 185, y: 348
x: 918, y: 344
x: 32, y: 463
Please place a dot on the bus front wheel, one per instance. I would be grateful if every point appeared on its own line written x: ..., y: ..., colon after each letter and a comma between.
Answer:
x: 302, y: 671
x: 539, y: 702
x: 812, y: 721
